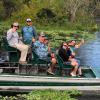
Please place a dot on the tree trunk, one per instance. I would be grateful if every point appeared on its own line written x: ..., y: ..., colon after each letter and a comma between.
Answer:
x: 72, y: 16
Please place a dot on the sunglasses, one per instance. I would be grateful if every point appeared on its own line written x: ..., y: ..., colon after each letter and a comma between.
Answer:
x: 28, y: 21
x: 15, y: 26
x: 65, y: 45
x: 43, y: 36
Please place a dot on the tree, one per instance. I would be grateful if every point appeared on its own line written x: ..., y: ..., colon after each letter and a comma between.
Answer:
x: 1, y: 10
x: 93, y: 6
x: 27, y: 2
x: 71, y: 7
x: 10, y: 6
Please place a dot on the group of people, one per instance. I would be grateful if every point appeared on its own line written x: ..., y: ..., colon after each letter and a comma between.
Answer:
x: 39, y: 45
x: 14, y: 40
x: 67, y: 53
x: 30, y: 39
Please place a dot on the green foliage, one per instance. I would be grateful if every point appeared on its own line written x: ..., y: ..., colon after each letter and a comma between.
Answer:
x: 50, y: 16
x: 45, y: 12
x: 3, y: 28
x: 49, y: 12
x: 45, y: 95
x: 45, y: 15
x: 2, y: 10
x: 10, y: 6
x: 57, y: 37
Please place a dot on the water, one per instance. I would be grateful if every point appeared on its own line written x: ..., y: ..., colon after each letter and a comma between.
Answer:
x: 89, y: 54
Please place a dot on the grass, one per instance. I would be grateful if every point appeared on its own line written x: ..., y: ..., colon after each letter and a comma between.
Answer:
x: 45, y: 95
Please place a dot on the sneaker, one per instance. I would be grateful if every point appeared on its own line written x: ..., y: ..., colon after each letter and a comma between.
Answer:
x: 50, y: 73
x: 82, y: 75
x: 22, y: 62
x: 72, y: 74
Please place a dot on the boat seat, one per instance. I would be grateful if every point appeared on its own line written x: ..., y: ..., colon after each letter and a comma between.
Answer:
x: 41, y: 63
x: 13, y: 53
x: 6, y: 46
x: 62, y: 65
x: 38, y: 60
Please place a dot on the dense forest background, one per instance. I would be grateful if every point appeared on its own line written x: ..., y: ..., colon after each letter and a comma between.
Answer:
x: 70, y: 14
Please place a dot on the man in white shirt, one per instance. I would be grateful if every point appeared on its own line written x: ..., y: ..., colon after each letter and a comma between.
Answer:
x: 15, y: 41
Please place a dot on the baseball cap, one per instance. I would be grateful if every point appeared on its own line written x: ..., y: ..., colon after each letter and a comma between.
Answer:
x: 28, y: 20
x: 46, y: 38
x: 42, y: 34
x: 15, y: 24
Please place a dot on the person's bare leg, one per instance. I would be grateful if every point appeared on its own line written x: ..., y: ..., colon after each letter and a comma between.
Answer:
x: 79, y: 71
x: 75, y: 65
x: 51, y: 68
x: 75, y: 70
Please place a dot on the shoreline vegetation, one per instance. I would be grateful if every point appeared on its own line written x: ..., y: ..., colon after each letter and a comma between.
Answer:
x: 56, y: 34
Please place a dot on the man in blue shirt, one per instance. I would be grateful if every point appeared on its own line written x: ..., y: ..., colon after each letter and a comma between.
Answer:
x: 28, y: 32
x: 42, y: 50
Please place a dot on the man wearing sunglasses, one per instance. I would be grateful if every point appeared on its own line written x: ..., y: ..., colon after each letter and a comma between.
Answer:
x: 29, y: 32
x: 42, y: 50
x: 14, y: 41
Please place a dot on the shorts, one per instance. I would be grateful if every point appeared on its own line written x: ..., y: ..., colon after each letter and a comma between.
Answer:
x: 67, y: 63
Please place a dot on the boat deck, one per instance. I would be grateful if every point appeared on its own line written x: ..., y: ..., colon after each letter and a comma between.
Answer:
x: 96, y: 71
x: 45, y: 79
x: 18, y: 82
x: 30, y: 81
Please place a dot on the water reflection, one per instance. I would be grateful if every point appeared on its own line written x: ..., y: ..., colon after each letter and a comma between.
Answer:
x: 90, y: 52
